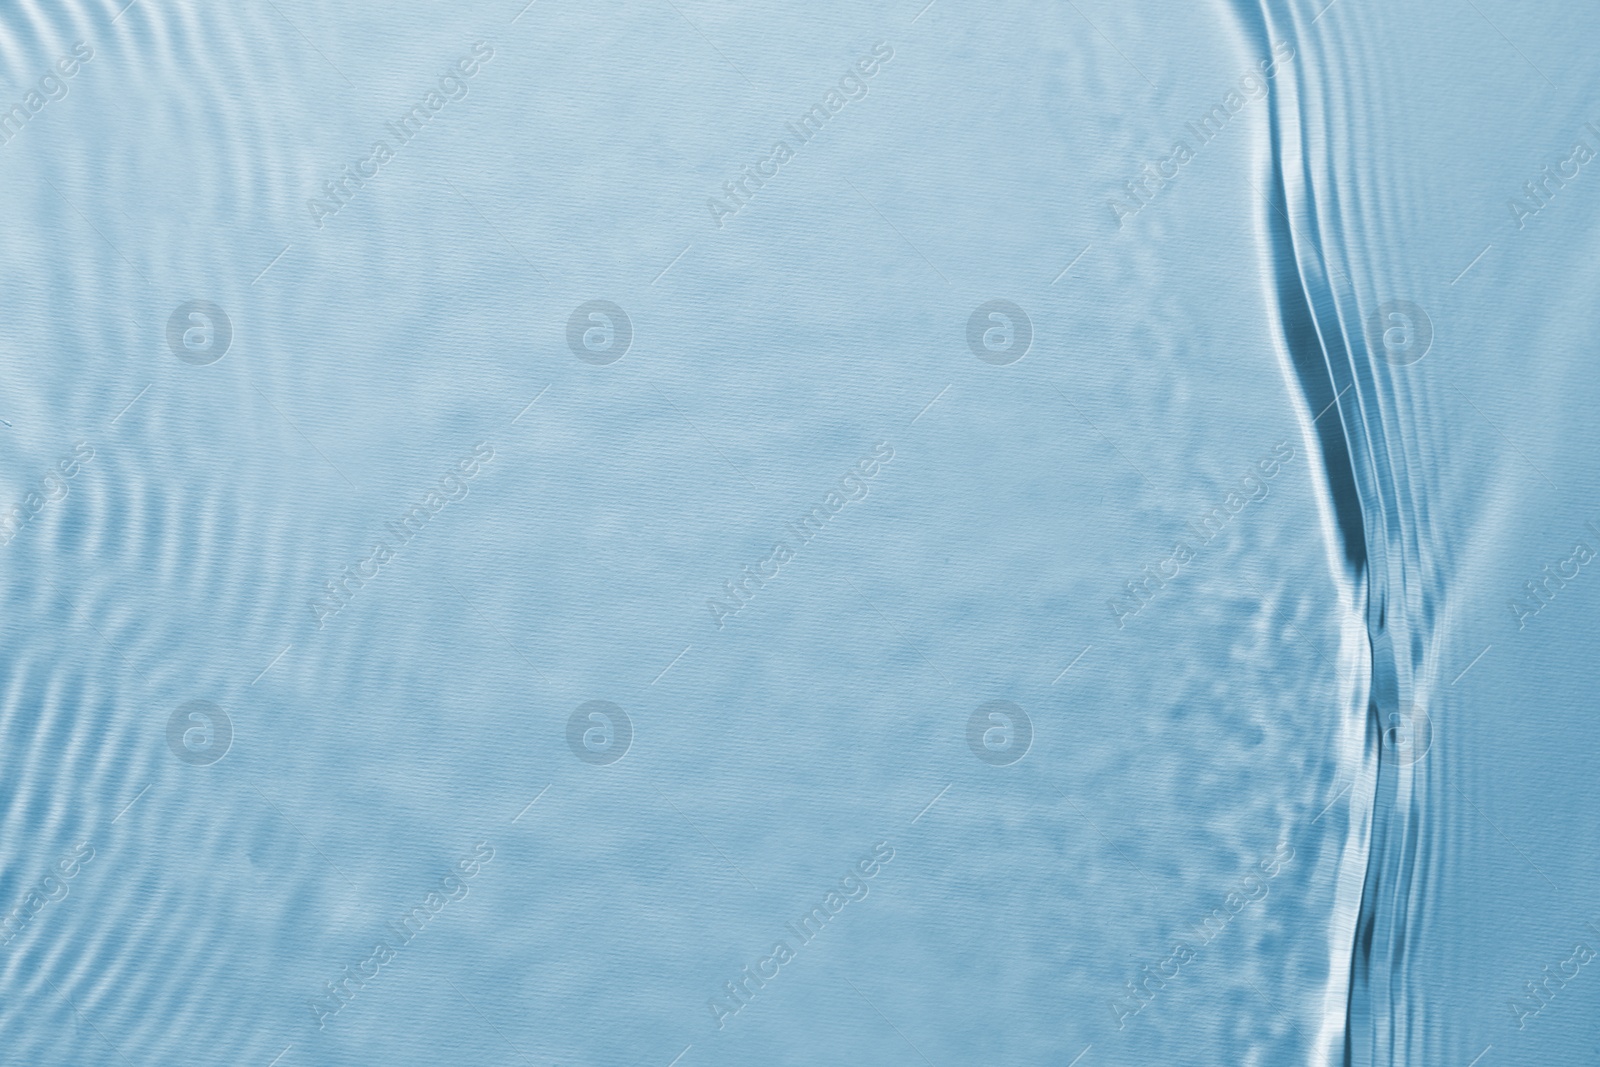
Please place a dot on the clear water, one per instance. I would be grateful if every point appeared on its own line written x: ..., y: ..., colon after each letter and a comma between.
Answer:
x: 954, y: 534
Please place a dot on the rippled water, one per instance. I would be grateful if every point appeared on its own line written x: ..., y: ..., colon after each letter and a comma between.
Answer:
x: 686, y: 533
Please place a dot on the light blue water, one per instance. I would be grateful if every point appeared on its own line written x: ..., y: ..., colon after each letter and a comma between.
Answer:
x: 685, y: 533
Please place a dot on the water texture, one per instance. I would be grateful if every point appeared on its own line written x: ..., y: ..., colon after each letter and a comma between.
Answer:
x: 688, y: 533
